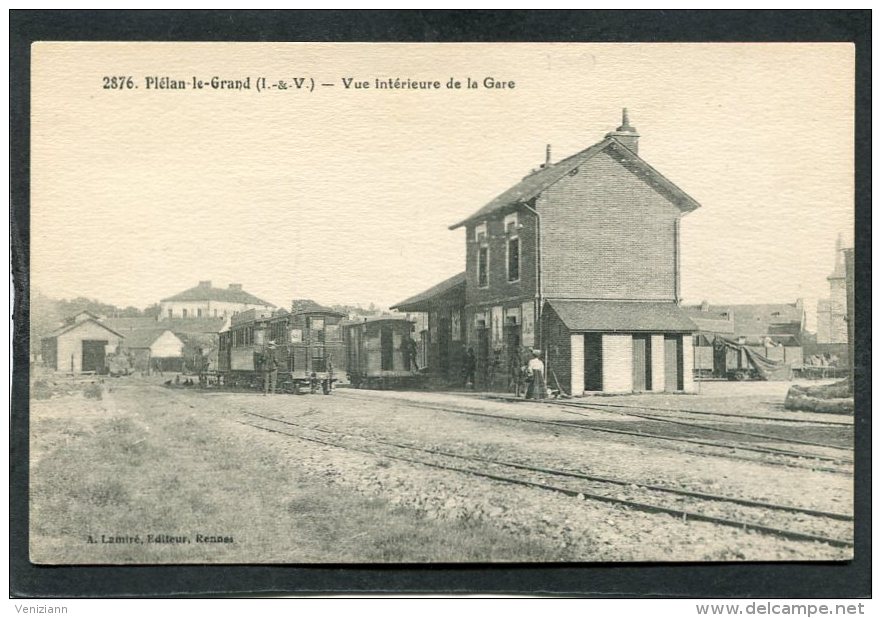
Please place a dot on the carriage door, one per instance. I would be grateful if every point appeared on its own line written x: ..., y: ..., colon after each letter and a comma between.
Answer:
x: 93, y: 355
x: 387, y: 348
x: 673, y: 363
x: 642, y: 363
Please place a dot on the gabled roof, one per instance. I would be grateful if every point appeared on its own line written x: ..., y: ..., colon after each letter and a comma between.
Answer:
x: 420, y: 301
x: 129, y: 324
x: 227, y: 295
x: 194, y: 325
x: 69, y: 327
x: 307, y: 305
x: 145, y: 338
x: 622, y: 316
x: 538, y: 181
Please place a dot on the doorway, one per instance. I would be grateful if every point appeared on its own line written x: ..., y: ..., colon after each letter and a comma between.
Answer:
x: 387, y: 349
x: 673, y: 363
x: 642, y: 363
x: 593, y: 361
x: 93, y: 355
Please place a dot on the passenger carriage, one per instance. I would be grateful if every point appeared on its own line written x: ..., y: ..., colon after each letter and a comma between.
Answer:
x: 307, y: 345
x: 381, y: 353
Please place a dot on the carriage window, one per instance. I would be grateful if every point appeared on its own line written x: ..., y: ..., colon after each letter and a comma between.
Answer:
x: 317, y: 327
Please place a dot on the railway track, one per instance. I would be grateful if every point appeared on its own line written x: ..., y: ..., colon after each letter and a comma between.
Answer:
x: 684, y: 423
x: 784, y: 521
x: 726, y: 450
x: 685, y: 413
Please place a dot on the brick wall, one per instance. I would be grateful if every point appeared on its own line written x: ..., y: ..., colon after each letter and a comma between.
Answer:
x: 558, y: 348
x: 499, y: 288
x: 606, y: 234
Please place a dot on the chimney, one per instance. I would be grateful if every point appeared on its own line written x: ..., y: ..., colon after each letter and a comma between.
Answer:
x: 204, y: 284
x: 626, y: 134
x: 548, y: 155
x: 235, y: 286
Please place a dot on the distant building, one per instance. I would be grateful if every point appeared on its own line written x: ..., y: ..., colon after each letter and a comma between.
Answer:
x: 80, y: 345
x: 775, y: 330
x: 832, y: 311
x: 205, y: 301
x: 186, y: 338
x: 579, y: 259
x: 156, y: 348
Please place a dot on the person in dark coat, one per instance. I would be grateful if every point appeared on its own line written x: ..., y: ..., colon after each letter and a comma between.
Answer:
x: 270, y: 369
x: 469, y: 368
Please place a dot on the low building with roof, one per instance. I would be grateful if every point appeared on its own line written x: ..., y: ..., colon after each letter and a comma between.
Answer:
x: 206, y: 301
x: 80, y: 345
x: 154, y: 349
x: 579, y: 260
x: 440, y: 333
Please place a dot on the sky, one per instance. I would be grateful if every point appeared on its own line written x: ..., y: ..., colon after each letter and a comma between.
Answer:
x: 345, y: 195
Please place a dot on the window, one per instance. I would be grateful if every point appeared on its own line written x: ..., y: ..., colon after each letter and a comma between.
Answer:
x: 183, y: 313
x: 198, y: 313
x: 215, y: 313
x: 170, y: 314
x: 480, y: 232
x: 511, y: 223
x: 513, y: 259
x: 316, y: 325
x: 482, y: 267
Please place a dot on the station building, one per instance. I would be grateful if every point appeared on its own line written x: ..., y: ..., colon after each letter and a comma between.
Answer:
x: 206, y: 301
x: 579, y: 259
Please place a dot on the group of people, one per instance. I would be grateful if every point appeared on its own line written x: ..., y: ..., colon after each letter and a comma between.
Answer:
x: 527, y: 379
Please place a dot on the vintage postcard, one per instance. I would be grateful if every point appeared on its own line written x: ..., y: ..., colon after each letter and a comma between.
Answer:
x: 301, y: 303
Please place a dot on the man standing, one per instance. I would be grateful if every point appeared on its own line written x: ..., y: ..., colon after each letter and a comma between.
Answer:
x: 270, y: 369
x: 535, y: 370
x: 469, y: 368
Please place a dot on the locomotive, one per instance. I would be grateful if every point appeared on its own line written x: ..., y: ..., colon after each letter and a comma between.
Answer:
x: 305, y: 343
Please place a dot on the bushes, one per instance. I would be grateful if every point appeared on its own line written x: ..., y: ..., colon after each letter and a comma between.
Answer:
x: 834, y: 398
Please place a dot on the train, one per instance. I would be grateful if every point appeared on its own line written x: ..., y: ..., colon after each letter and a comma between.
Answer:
x: 381, y: 353
x: 307, y: 344
x: 316, y: 348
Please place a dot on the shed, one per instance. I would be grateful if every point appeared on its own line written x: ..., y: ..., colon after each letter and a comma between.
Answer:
x: 80, y: 346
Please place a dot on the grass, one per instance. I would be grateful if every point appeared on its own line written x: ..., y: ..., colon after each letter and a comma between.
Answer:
x: 135, y: 464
